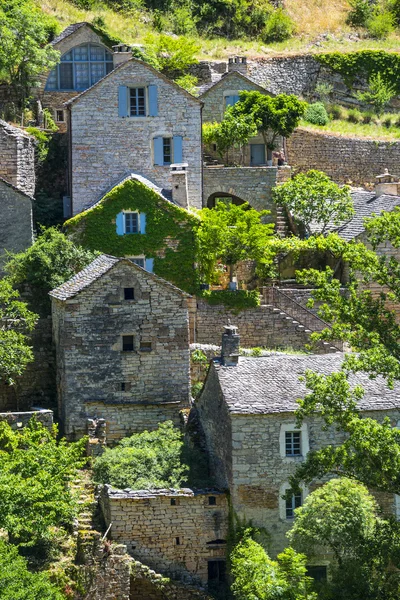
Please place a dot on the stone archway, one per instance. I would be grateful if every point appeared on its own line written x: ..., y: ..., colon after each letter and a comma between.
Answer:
x: 225, y: 197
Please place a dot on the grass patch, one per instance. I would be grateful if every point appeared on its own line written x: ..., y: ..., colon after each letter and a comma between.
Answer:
x: 370, y: 130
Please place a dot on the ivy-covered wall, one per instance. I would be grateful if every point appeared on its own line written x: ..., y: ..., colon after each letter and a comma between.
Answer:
x: 169, y: 239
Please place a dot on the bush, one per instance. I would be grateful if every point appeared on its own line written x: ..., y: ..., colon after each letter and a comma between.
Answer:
x: 360, y: 13
x: 387, y: 122
x: 336, y: 112
x: 188, y: 83
x: 381, y: 25
x: 397, y: 122
x: 316, y: 114
x: 354, y: 115
x: 144, y: 460
x: 278, y: 28
x: 237, y: 300
x: 367, y: 117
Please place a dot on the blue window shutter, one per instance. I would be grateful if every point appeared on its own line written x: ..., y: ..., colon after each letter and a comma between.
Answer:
x: 153, y: 103
x: 149, y: 264
x: 235, y: 99
x: 228, y: 100
x: 178, y: 156
x: 122, y: 101
x: 142, y: 222
x: 120, y: 223
x: 158, y: 151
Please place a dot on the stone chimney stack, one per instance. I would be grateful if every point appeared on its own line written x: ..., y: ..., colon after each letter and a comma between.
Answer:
x: 387, y: 184
x: 238, y: 64
x: 121, y: 53
x: 179, y: 184
x: 230, y: 346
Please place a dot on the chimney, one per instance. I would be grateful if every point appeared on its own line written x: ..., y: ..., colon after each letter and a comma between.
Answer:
x: 178, y: 173
x: 230, y: 346
x: 238, y: 64
x: 121, y: 53
x: 387, y: 184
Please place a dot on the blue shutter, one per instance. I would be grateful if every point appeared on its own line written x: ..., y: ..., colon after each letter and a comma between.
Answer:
x: 228, y: 101
x: 120, y: 223
x: 149, y: 264
x: 153, y: 104
x: 122, y: 101
x: 142, y: 222
x: 235, y: 99
x: 178, y: 157
x: 158, y: 151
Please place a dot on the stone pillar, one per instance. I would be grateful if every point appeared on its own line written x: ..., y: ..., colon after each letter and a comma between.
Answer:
x: 179, y: 184
x: 238, y: 64
x: 121, y: 54
x: 230, y: 346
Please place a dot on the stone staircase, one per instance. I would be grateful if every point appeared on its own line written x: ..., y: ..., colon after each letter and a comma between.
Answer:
x: 282, y: 227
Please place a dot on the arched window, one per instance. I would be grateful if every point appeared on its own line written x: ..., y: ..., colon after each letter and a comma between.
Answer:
x: 80, y: 68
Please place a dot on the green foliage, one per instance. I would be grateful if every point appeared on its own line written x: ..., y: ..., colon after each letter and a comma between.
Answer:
x: 42, y: 138
x: 17, y: 583
x: 360, y: 13
x: 354, y: 115
x: 173, y: 55
x: 257, y: 577
x: 188, y: 83
x: 323, y: 90
x: 316, y: 114
x: 381, y: 25
x: 95, y: 229
x: 52, y: 260
x: 24, y: 50
x: 196, y: 389
x: 229, y: 234
x: 256, y: 351
x: 234, y: 131
x: 16, y: 322
x: 236, y: 300
x: 144, y: 461
x: 364, y: 64
x: 336, y: 111
x: 34, y: 475
x: 198, y: 356
x: 279, y: 27
x: 394, y: 7
x: 379, y: 94
x: 313, y: 197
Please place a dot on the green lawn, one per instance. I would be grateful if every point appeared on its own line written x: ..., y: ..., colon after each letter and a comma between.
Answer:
x: 371, y: 130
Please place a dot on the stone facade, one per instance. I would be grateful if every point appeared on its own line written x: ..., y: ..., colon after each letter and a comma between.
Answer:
x: 18, y: 420
x: 344, y: 159
x: 17, y: 158
x: 175, y: 532
x: 16, y: 226
x: 106, y: 147
x: 122, y: 360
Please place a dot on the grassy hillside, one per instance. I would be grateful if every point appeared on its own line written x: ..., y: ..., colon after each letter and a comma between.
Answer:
x: 320, y: 24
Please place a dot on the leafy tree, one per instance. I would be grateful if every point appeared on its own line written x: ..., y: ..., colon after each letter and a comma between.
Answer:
x: 50, y: 261
x: 16, y: 323
x: 273, y: 117
x: 379, y: 94
x: 188, y: 83
x: 17, y: 583
x: 231, y: 233
x: 144, y: 460
x: 313, y: 198
x: 24, y: 50
x: 232, y: 132
x: 360, y: 13
x: 173, y: 55
x: 257, y: 577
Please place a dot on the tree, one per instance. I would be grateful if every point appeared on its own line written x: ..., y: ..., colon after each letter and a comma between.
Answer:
x: 232, y: 132
x: 313, y: 198
x: 16, y: 324
x: 273, y: 117
x: 230, y: 233
x: 379, y: 94
x: 24, y: 50
x: 257, y: 577
x: 173, y: 55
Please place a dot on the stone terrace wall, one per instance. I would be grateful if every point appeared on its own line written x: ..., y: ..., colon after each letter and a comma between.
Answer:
x: 342, y: 158
x: 17, y: 155
x: 169, y: 530
x: 285, y: 74
x: 18, y: 420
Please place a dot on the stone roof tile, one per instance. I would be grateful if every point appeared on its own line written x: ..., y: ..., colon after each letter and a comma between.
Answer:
x: 68, y: 31
x: 15, y: 188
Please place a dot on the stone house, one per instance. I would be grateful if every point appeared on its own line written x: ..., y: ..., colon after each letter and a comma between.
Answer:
x: 17, y: 158
x: 139, y: 221
x: 134, y: 120
x: 247, y: 413
x: 122, y: 349
x: 16, y: 225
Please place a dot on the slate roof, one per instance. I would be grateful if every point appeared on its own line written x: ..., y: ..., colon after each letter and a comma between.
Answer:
x: 97, y: 269
x: 12, y: 130
x: 217, y: 78
x: 68, y: 31
x: 15, y: 188
x: 271, y: 385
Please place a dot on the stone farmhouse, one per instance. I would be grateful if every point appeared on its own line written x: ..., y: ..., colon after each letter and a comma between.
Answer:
x: 122, y: 348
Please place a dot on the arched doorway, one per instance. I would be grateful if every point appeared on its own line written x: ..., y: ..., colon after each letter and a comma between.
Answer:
x: 224, y: 197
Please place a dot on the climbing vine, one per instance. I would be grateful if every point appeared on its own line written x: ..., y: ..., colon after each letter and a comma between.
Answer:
x: 170, y: 236
x: 364, y: 63
x: 235, y: 300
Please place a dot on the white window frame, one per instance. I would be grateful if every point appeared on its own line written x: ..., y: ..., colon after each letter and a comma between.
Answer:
x: 282, y: 500
x: 59, y: 110
x: 140, y: 257
x: 304, y: 441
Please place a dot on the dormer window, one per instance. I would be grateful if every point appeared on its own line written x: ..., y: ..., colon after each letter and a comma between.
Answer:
x: 80, y: 68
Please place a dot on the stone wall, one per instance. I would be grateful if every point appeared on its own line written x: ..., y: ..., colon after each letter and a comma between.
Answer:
x: 17, y: 158
x: 344, y: 159
x: 18, y: 420
x: 16, y: 226
x: 95, y: 377
x: 174, y: 532
x: 105, y: 147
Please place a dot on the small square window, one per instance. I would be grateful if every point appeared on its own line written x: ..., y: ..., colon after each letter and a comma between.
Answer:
x: 292, y: 503
x: 212, y: 501
x: 129, y: 294
x: 131, y: 222
x: 60, y: 116
x: 173, y: 502
x: 145, y: 347
x: 293, y: 443
x: 127, y: 343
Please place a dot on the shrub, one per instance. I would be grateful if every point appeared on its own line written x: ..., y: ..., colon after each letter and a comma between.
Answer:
x: 387, y: 122
x: 360, y: 13
x: 323, y: 91
x: 381, y: 25
x: 188, y: 83
x: 279, y: 27
x: 397, y: 122
x: 379, y: 94
x: 354, y: 115
x: 316, y: 114
x: 196, y: 389
x: 394, y: 7
x: 184, y: 23
x: 237, y: 300
x: 367, y: 117
x: 336, y: 112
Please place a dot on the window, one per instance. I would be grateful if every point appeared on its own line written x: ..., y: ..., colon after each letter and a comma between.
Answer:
x: 231, y: 100
x: 139, y: 261
x: 318, y: 573
x: 293, y: 443
x: 137, y: 102
x: 145, y: 347
x: 129, y: 294
x: 212, y: 501
x: 80, y: 68
x: 167, y: 151
x: 60, y: 116
x: 127, y: 343
x: 216, y: 571
x: 177, y: 541
x: 173, y: 502
x: 131, y: 222
x: 293, y: 502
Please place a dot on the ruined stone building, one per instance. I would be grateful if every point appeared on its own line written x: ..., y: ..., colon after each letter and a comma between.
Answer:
x: 122, y: 348
x: 17, y: 158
